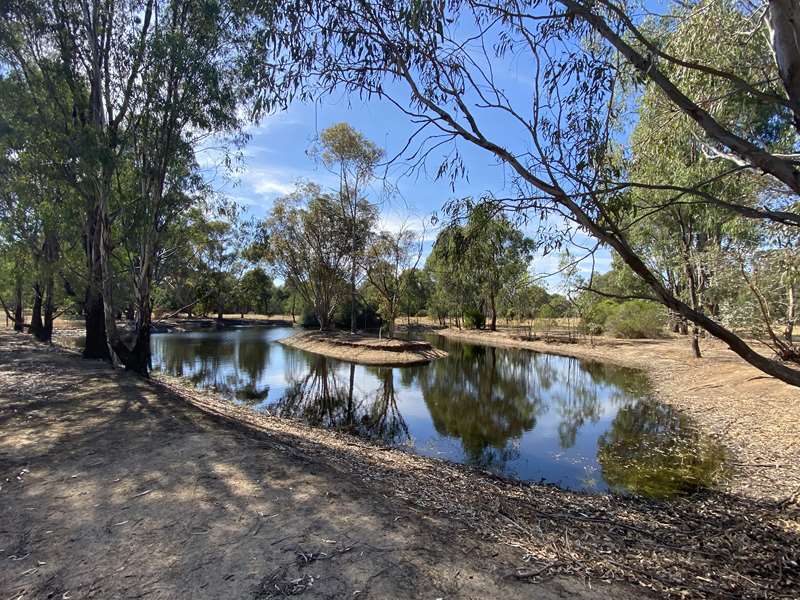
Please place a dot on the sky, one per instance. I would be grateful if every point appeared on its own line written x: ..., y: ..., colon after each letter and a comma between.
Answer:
x: 276, y: 158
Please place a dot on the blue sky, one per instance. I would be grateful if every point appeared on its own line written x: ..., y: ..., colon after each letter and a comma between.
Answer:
x: 276, y: 158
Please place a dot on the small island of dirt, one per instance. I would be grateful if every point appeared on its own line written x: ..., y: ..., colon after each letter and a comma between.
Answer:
x: 363, y: 349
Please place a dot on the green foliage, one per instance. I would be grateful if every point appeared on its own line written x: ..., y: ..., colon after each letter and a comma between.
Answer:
x: 391, y: 260
x: 351, y: 153
x: 596, y: 317
x: 367, y: 315
x: 257, y: 290
x: 309, y: 318
x: 480, y: 267
x: 309, y: 249
x: 636, y: 319
x: 652, y: 451
x: 474, y: 319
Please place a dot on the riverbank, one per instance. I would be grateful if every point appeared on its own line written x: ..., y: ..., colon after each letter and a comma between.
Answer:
x: 364, y: 350
x: 114, y: 486
x: 756, y: 417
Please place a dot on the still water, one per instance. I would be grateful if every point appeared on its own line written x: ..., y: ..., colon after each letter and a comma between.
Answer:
x: 538, y: 417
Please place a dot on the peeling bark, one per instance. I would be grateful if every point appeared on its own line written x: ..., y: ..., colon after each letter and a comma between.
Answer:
x: 783, y: 21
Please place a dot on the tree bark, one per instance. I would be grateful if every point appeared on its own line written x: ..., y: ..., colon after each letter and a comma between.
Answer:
x: 37, y: 327
x: 19, y: 318
x: 783, y: 22
x: 49, y: 308
x: 94, y: 311
x: 94, y: 316
x: 695, y: 300
x: 50, y: 252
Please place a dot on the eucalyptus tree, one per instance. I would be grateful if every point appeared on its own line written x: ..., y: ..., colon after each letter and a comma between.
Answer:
x: 13, y: 268
x: 188, y: 93
x: 258, y: 290
x: 683, y: 239
x: 756, y: 281
x: 85, y: 58
x: 390, y: 258
x: 134, y: 83
x: 496, y: 253
x: 309, y: 250
x: 353, y: 158
x: 560, y: 139
x: 476, y: 263
x: 455, y: 290
x: 417, y: 289
x: 36, y: 208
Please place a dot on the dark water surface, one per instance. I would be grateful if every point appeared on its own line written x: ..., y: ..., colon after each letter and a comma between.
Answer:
x: 580, y: 425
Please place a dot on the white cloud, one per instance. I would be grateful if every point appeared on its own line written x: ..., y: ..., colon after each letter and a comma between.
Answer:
x: 268, y: 183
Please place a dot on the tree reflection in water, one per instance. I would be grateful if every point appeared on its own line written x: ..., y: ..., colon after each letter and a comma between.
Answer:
x: 322, y: 395
x: 651, y: 450
x: 581, y: 389
x: 231, y: 362
x: 483, y: 397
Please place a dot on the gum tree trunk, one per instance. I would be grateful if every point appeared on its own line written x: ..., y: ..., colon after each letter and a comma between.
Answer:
x: 19, y: 318
x: 37, y: 327
x: 94, y: 311
x: 783, y: 22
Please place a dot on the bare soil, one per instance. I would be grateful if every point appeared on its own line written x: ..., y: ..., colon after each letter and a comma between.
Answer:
x: 755, y: 416
x: 117, y: 487
x: 363, y: 349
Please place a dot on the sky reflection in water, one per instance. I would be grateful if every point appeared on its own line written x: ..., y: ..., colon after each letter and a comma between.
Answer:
x: 581, y: 425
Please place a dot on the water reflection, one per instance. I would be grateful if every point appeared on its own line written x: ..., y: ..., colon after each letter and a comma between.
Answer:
x: 232, y: 362
x: 650, y: 450
x: 581, y: 425
x: 324, y: 395
x: 484, y: 398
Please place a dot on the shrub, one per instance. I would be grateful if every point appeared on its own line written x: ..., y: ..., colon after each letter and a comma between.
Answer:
x: 594, y: 320
x: 422, y: 313
x: 636, y: 319
x: 309, y: 319
x: 367, y: 316
x: 474, y: 319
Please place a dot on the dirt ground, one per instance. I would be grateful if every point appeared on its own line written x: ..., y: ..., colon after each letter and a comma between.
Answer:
x: 364, y: 350
x: 115, y: 487
x: 755, y: 416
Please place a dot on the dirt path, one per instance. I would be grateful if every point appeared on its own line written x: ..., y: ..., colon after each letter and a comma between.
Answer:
x: 113, y: 487
x: 755, y: 416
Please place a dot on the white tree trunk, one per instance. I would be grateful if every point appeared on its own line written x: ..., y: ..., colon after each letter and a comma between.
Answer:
x: 783, y: 22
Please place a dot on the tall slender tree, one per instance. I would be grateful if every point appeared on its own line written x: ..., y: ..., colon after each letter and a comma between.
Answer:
x: 354, y: 158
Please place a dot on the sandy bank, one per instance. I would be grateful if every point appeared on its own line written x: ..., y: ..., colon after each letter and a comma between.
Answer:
x: 364, y: 350
x: 755, y: 416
